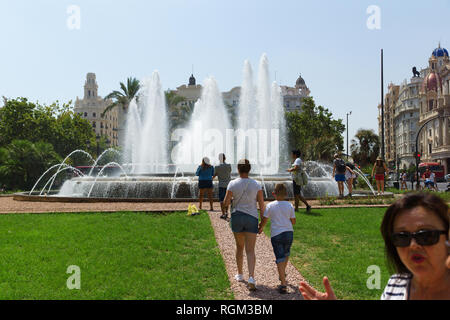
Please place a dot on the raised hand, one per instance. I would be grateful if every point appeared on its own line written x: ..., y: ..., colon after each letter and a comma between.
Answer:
x: 309, y: 293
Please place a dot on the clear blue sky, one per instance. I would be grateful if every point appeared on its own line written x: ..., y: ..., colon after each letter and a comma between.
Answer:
x: 328, y: 42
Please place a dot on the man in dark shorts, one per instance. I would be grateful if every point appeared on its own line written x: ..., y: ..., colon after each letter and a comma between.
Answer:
x: 339, y: 169
x: 223, y: 172
x: 298, y: 188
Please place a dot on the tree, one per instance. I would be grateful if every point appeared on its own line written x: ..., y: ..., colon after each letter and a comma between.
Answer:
x: 314, y: 132
x: 56, y: 124
x: 179, y: 114
x: 123, y: 99
x: 22, y: 162
x: 366, y: 147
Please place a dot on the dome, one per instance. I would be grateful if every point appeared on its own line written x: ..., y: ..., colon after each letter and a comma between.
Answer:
x: 300, y: 81
x: 440, y: 52
x: 432, y: 82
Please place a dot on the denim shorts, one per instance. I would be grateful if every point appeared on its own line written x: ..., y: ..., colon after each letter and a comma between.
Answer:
x: 222, y: 193
x: 243, y: 222
x: 339, y: 177
x: 205, y: 184
x: 281, y: 244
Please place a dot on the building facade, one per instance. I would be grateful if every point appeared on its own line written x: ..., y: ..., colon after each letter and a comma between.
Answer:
x: 434, y: 138
x: 419, y: 111
x: 406, y: 119
x: 293, y: 96
x: 390, y: 101
x: 92, y: 106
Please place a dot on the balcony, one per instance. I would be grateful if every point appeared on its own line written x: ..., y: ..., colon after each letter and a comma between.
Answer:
x: 428, y: 115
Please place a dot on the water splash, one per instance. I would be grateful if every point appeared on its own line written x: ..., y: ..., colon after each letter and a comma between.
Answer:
x: 66, y: 167
x: 147, y: 128
x: 101, y: 155
x: 206, y: 131
x: 68, y: 156
x: 101, y: 171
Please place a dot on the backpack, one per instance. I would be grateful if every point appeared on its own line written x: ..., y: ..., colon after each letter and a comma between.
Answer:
x: 300, y: 177
x: 340, y: 165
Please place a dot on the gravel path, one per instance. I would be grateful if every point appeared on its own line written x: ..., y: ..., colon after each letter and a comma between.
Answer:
x: 266, y: 274
x: 9, y: 205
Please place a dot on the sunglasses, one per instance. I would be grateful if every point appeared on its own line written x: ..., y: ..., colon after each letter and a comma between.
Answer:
x: 422, y: 237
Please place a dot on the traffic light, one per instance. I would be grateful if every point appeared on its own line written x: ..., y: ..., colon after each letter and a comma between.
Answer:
x: 417, y: 154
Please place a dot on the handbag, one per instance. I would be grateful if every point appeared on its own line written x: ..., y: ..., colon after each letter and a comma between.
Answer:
x: 300, y: 177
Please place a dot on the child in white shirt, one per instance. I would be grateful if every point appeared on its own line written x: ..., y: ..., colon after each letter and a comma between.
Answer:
x: 282, y: 214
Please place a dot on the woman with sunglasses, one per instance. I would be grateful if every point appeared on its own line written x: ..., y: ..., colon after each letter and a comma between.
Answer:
x: 415, y: 229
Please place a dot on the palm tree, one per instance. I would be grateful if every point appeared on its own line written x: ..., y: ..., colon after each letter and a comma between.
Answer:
x: 365, y: 148
x: 123, y: 98
x: 178, y: 114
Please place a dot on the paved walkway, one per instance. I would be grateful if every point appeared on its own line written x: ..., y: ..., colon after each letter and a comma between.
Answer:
x: 266, y: 274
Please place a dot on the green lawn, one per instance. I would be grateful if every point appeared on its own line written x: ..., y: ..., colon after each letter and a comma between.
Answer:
x: 121, y: 255
x: 340, y: 244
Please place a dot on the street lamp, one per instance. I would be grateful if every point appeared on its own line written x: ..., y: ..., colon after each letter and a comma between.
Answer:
x: 347, y: 114
x: 98, y: 145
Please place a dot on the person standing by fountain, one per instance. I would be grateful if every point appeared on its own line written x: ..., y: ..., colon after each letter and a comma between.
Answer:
x: 296, y: 170
x: 223, y: 173
x: 205, y: 173
x: 246, y: 193
x: 339, y: 170
x: 350, y: 176
x: 379, y: 168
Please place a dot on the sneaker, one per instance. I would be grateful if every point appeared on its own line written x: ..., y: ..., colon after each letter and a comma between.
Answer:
x: 238, y: 277
x: 251, y: 284
x: 282, y: 289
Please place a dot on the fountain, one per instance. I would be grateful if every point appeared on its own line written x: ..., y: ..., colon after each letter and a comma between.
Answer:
x: 146, y: 173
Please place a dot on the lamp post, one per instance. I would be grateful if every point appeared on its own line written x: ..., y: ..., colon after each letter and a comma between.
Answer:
x: 97, y: 138
x: 347, y: 114
x: 382, y: 108
x: 417, y: 154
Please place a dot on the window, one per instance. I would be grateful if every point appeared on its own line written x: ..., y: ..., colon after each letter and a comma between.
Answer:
x: 85, y: 114
x: 429, y: 148
x: 94, y: 125
x: 94, y: 115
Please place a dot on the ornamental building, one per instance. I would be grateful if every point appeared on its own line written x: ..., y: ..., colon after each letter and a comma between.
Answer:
x: 91, y: 108
x: 292, y: 96
x: 418, y: 112
x: 434, y: 138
